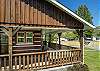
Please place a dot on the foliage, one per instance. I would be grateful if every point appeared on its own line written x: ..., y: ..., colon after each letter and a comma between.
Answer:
x: 84, y: 13
x: 53, y: 37
x: 97, y: 31
x: 70, y: 35
x: 88, y: 32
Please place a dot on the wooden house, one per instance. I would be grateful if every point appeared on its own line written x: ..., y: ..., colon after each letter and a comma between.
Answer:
x: 22, y: 23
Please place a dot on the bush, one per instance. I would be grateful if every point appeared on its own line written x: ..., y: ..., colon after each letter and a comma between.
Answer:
x: 78, y: 67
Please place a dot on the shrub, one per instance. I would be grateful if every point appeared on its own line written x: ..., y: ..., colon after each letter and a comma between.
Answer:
x: 78, y: 67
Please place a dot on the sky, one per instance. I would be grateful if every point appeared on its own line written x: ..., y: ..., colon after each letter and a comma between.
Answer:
x: 93, y: 6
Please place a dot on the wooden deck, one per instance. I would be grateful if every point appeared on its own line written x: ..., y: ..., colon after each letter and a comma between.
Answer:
x: 40, y: 60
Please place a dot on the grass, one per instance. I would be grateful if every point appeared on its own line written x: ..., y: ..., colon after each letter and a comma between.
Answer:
x: 92, y: 59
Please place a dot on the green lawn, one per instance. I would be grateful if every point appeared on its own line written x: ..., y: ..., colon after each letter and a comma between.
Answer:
x: 92, y: 59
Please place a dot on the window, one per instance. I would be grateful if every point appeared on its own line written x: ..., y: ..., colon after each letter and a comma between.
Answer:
x: 21, y: 37
x: 24, y: 37
x: 29, y: 37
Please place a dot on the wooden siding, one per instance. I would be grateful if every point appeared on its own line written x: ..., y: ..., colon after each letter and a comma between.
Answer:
x: 35, y: 12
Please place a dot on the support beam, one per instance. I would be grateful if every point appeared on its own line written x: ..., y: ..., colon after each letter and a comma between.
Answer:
x: 10, y: 48
x: 5, y: 31
x: 17, y: 29
x: 81, y: 39
x: 59, y: 44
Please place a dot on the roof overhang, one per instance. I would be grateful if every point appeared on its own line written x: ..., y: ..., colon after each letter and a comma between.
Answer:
x: 66, y: 10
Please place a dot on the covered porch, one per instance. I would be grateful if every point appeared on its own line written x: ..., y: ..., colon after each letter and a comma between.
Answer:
x: 17, y: 58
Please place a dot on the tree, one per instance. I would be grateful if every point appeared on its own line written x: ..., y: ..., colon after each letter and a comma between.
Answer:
x: 97, y: 31
x: 84, y: 13
x: 70, y: 35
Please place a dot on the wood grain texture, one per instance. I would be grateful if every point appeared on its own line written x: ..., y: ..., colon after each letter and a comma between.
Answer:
x: 22, y: 12
x: 35, y: 12
x: 17, y: 11
x: 7, y: 11
x: 12, y: 11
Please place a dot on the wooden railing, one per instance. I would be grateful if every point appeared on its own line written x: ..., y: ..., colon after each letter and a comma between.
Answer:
x: 39, y: 60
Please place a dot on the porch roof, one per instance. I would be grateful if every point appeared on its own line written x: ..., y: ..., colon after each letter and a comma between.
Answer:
x: 66, y: 10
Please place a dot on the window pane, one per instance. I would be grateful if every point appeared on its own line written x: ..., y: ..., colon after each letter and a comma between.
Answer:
x: 29, y: 34
x: 20, y: 40
x: 29, y: 40
x: 20, y: 34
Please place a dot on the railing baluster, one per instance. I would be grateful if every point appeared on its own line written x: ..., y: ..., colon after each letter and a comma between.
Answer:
x: 39, y: 60
x: 23, y: 62
x: 15, y: 62
x: 75, y: 56
x: 69, y: 56
x: 0, y: 63
x: 66, y: 57
x: 62, y: 58
x: 53, y: 57
x: 31, y: 62
x: 42, y: 59
x: 19, y: 62
x: 5, y: 63
x: 46, y: 60
x: 27, y: 62
x: 79, y: 56
x: 50, y: 58
x: 35, y: 60
x: 58, y: 58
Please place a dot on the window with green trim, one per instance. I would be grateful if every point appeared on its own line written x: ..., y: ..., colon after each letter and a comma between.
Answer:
x: 25, y: 37
x: 21, y: 37
x: 29, y: 37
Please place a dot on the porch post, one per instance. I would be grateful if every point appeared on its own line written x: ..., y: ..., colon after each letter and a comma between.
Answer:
x: 81, y: 39
x: 49, y: 43
x: 59, y: 44
x: 10, y: 48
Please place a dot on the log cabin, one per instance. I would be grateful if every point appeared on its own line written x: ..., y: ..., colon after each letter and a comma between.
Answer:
x: 23, y: 23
